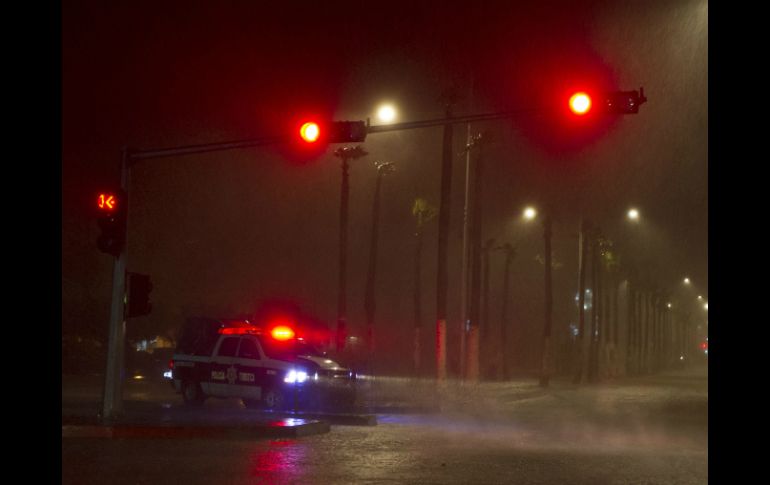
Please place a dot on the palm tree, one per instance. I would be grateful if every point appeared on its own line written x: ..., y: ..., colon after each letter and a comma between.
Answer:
x: 604, y: 287
x: 423, y: 212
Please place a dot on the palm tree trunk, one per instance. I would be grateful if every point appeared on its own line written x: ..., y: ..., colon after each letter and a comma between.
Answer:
x: 485, y: 307
x: 582, y: 354
x: 546, y: 357
x: 504, y: 316
x: 417, y: 301
x: 369, y: 297
x: 592, y: 372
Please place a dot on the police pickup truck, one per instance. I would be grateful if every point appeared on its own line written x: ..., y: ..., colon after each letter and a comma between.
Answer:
x: 266, y: 366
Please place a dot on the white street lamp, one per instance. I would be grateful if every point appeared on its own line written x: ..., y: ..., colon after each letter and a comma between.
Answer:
x: 530, y: 213
x: 386, y: 113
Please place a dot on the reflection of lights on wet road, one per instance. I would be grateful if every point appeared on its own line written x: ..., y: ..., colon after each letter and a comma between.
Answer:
x: 280, y: 457
x: 288, y: 422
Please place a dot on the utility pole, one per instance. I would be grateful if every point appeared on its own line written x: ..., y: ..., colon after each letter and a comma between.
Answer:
x: 465, y: 257
x: 369, y: 297
x: 474, y: 315
x: 442, y: 278
x: 345, y: 154
x: 465, y: 248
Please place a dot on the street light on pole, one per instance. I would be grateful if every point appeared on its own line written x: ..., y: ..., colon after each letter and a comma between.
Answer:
x: 345, y: 154
x: 386, y: 113
x: 530, y: 213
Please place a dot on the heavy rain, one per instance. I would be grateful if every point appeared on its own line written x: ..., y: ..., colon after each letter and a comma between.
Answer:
x: 520, y: 296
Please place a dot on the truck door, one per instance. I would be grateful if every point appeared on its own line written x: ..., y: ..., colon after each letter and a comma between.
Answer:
x: 251, y: 373
x: 224, y: 373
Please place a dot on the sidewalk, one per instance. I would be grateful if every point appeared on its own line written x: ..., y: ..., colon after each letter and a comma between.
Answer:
x: 155, y: 420
x: 152, y: 410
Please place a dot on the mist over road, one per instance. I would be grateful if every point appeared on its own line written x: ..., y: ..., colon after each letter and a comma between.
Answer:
x: 639, y: 431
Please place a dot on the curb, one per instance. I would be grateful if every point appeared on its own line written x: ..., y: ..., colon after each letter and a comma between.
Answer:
x: 123, y: 431
x: 404, y: 409
x: 345, y: 419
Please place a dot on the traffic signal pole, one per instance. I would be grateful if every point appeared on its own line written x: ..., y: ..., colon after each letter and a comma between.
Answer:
x: 112, y: 402
x: 112, y: 396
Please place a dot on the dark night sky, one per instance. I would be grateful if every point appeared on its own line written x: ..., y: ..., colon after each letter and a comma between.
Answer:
x: 219, y: 232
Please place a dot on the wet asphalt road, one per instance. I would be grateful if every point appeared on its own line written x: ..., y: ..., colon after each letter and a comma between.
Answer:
x: 650, y: 430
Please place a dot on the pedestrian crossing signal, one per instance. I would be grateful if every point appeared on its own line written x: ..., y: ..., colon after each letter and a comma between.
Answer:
x: 112, y: 222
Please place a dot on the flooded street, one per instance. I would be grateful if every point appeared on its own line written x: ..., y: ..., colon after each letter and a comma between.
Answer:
x: 651, y: 430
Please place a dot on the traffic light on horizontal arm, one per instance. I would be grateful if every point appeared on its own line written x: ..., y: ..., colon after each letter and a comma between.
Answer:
x: 624, y: 102
x: 312, y: 132
x: 616, y: 102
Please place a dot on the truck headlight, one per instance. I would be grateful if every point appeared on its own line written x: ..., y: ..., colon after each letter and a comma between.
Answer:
x: 293, y: 376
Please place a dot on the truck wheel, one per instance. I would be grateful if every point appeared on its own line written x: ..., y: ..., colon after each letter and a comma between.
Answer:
x: 273, y: 399
x: 192, y: 393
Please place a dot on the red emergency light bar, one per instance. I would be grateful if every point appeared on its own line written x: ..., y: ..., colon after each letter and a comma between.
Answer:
x: 240, y: 328
x: 280, y: 332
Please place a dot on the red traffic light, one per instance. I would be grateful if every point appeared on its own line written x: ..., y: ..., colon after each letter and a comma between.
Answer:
x: 615, y: 102
x: 580, y: 103
x: 310, y: 132
x: 313, y: 133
